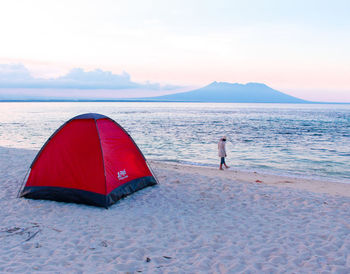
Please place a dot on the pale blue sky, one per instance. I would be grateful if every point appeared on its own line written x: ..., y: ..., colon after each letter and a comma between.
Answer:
x: 300, y: 47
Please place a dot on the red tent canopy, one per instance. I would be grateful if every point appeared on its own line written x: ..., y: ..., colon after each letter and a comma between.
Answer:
x: 90, y: 159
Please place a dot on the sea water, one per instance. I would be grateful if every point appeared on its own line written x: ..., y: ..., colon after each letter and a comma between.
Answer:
x: 293, y: 139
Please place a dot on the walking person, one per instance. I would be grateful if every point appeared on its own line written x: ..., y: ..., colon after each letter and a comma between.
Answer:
x: 222, y: 152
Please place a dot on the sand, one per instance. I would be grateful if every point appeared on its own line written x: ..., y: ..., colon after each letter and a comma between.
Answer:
x: 197, y: 220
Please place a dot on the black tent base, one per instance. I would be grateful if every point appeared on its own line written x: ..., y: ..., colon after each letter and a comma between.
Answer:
x: 71, y: 195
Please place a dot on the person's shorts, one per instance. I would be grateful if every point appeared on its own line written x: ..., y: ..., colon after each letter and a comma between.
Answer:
x: 222, y: 160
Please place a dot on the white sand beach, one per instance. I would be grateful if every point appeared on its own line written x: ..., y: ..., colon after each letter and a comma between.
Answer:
x: 197, y: 220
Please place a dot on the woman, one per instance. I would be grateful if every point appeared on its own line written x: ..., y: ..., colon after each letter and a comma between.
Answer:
x: 222, y: 152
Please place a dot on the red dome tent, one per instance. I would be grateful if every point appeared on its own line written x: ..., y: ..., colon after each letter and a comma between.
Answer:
x: 90, y: 159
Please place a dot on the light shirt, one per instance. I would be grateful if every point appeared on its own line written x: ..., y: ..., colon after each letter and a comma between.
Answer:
x: 222, y: 148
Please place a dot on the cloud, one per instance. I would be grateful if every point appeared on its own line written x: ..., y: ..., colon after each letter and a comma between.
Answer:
x: 96, y: 79
x: 13, y: 73
x: 18, y: 76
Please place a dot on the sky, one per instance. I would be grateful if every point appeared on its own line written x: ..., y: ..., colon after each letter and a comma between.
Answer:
x: 297, y: 47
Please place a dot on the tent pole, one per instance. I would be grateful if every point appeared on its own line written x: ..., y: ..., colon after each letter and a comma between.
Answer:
x: 150, y: 168
x: 23, y: 182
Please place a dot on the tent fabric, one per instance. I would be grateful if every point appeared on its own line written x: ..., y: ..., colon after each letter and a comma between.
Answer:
x: 90, y: 159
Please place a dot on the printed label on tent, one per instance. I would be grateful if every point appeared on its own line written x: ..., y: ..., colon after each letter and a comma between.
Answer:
x: 122, y: 175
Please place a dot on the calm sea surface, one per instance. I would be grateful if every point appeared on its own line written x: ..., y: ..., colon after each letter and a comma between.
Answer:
x: 302, y: 140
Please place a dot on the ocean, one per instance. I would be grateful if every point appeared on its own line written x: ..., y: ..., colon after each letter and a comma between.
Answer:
x: 311, y: 141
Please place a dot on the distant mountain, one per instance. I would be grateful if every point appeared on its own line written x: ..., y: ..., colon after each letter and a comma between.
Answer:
x: 232, y: 93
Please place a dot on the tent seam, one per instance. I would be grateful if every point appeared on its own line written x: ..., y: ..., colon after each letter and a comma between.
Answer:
x: 103, y: 162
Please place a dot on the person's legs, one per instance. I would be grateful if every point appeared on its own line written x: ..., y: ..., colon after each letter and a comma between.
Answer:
x: 222, y: 161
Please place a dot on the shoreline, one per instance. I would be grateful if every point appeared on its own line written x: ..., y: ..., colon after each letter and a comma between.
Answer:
x: 243, y: 176
x: 272, y: 172
x: 280, y: 181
